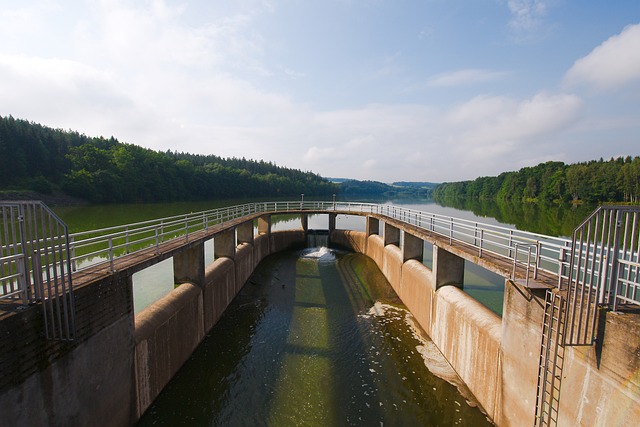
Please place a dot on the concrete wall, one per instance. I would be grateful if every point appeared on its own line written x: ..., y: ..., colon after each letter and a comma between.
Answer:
x: 375, y: 249
x: 244, y: 264
x: 54, y: 383
x: 392, y: 266
x: 601, y: 387
x: 600, y: 384
x: 417, y: 291
x: 468, y: 335
x: 260, y: 248
x: 166, y: 333
x: 219, y: 290
x: 352, y: 240
x: 169, y: 330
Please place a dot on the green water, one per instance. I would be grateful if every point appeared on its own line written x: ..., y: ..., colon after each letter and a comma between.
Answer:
x: 315, y: 338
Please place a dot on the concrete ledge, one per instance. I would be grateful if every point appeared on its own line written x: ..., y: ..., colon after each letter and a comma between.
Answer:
x: 281, y: 240
x: 260, y: 248
x: 418, y: 292
x: 468, y: 334
x: 375, y: 249
x: 355, y: 241
x: 166, y: 333
x: 392, y: 267
x: 244, y: 265
x: 219, y: 290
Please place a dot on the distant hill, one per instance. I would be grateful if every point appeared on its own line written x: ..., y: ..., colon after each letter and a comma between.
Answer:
x: 374, y: 188
x: 428, y: 185
x: 35, y: 158
x: 596, y: 181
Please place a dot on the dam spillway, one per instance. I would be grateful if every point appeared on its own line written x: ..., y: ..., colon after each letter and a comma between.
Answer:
x: 497, y: 358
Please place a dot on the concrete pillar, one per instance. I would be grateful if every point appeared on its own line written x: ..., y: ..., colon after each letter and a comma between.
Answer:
x: 373, y: 226
x: 332, y: 222
x: 412, y: 247
x: 304, y: 219
x: 224, y: 244
x: 332, y: 227
x: 264, y: 224
x: 244, y: 232
x: 188, y: 265
x: 448, y: 269
x: 391, y: 235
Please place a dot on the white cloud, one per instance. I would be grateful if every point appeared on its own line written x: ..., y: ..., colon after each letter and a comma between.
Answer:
x: 496, y: 120
x: 526, y: 14
x: 466, y: 77
x: 613, y: 64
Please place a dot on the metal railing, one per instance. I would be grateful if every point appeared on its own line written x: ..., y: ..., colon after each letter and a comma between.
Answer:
x: 603, y: 269
x: 35, y: 264
x: 529, y: 253
x: 544, y: 253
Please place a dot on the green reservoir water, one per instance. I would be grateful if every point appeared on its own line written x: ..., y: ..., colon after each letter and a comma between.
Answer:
x: 316, y: 338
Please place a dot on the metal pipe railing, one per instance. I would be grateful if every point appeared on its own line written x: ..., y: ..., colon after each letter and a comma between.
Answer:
x: 546, y: 253
x: 91, y: 247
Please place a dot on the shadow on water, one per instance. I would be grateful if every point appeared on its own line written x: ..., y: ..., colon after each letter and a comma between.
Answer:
x: 316, y: 337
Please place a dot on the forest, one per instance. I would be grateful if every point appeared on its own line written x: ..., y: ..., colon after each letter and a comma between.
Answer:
x: 100, y: 170
x: 603, y: 181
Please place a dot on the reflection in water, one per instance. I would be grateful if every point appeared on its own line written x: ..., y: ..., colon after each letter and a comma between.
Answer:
x: 315, y: 337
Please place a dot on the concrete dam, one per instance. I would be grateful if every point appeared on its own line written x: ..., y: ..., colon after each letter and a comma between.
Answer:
x: 566, y: 350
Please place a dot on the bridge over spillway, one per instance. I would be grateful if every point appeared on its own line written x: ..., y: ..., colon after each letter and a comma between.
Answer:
x: 570, y: 323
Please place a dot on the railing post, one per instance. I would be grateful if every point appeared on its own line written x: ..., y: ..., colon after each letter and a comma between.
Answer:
x: 72, y: 249
x: 481, y: 241
x: 526, y: 276
x: 511, y: 243
x: 561, y: 262
x: 110, y: 240
x: 450, y: 230
x: 126, y: 239
x: 536, y: 265
x: 515, y: 260
x: 615, y: 265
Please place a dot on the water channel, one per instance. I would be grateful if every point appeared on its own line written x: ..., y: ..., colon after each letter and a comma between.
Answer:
x: 317, y: 337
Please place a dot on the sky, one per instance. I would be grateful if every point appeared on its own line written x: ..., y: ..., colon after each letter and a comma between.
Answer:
x: 386, y: 90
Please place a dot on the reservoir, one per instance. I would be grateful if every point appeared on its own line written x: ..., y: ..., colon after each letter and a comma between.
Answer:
x: 316, y: 337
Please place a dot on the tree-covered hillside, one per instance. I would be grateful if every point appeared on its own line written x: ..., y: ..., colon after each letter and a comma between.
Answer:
x: 99, y: 170
x: 615, y: 180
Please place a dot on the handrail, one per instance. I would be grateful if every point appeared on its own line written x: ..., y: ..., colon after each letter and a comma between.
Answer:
x: 106, y: 244
x: 545, y: 253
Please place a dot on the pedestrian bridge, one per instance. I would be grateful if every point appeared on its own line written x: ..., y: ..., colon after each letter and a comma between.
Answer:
x: 558, y: 291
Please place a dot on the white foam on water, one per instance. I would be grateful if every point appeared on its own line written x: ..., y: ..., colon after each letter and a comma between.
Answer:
x: 317, y: 253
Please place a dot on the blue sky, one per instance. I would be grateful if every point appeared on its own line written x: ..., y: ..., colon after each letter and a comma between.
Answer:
x: 431, y: 90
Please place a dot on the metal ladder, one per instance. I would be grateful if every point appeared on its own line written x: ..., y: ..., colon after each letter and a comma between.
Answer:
x: 551, y: 360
